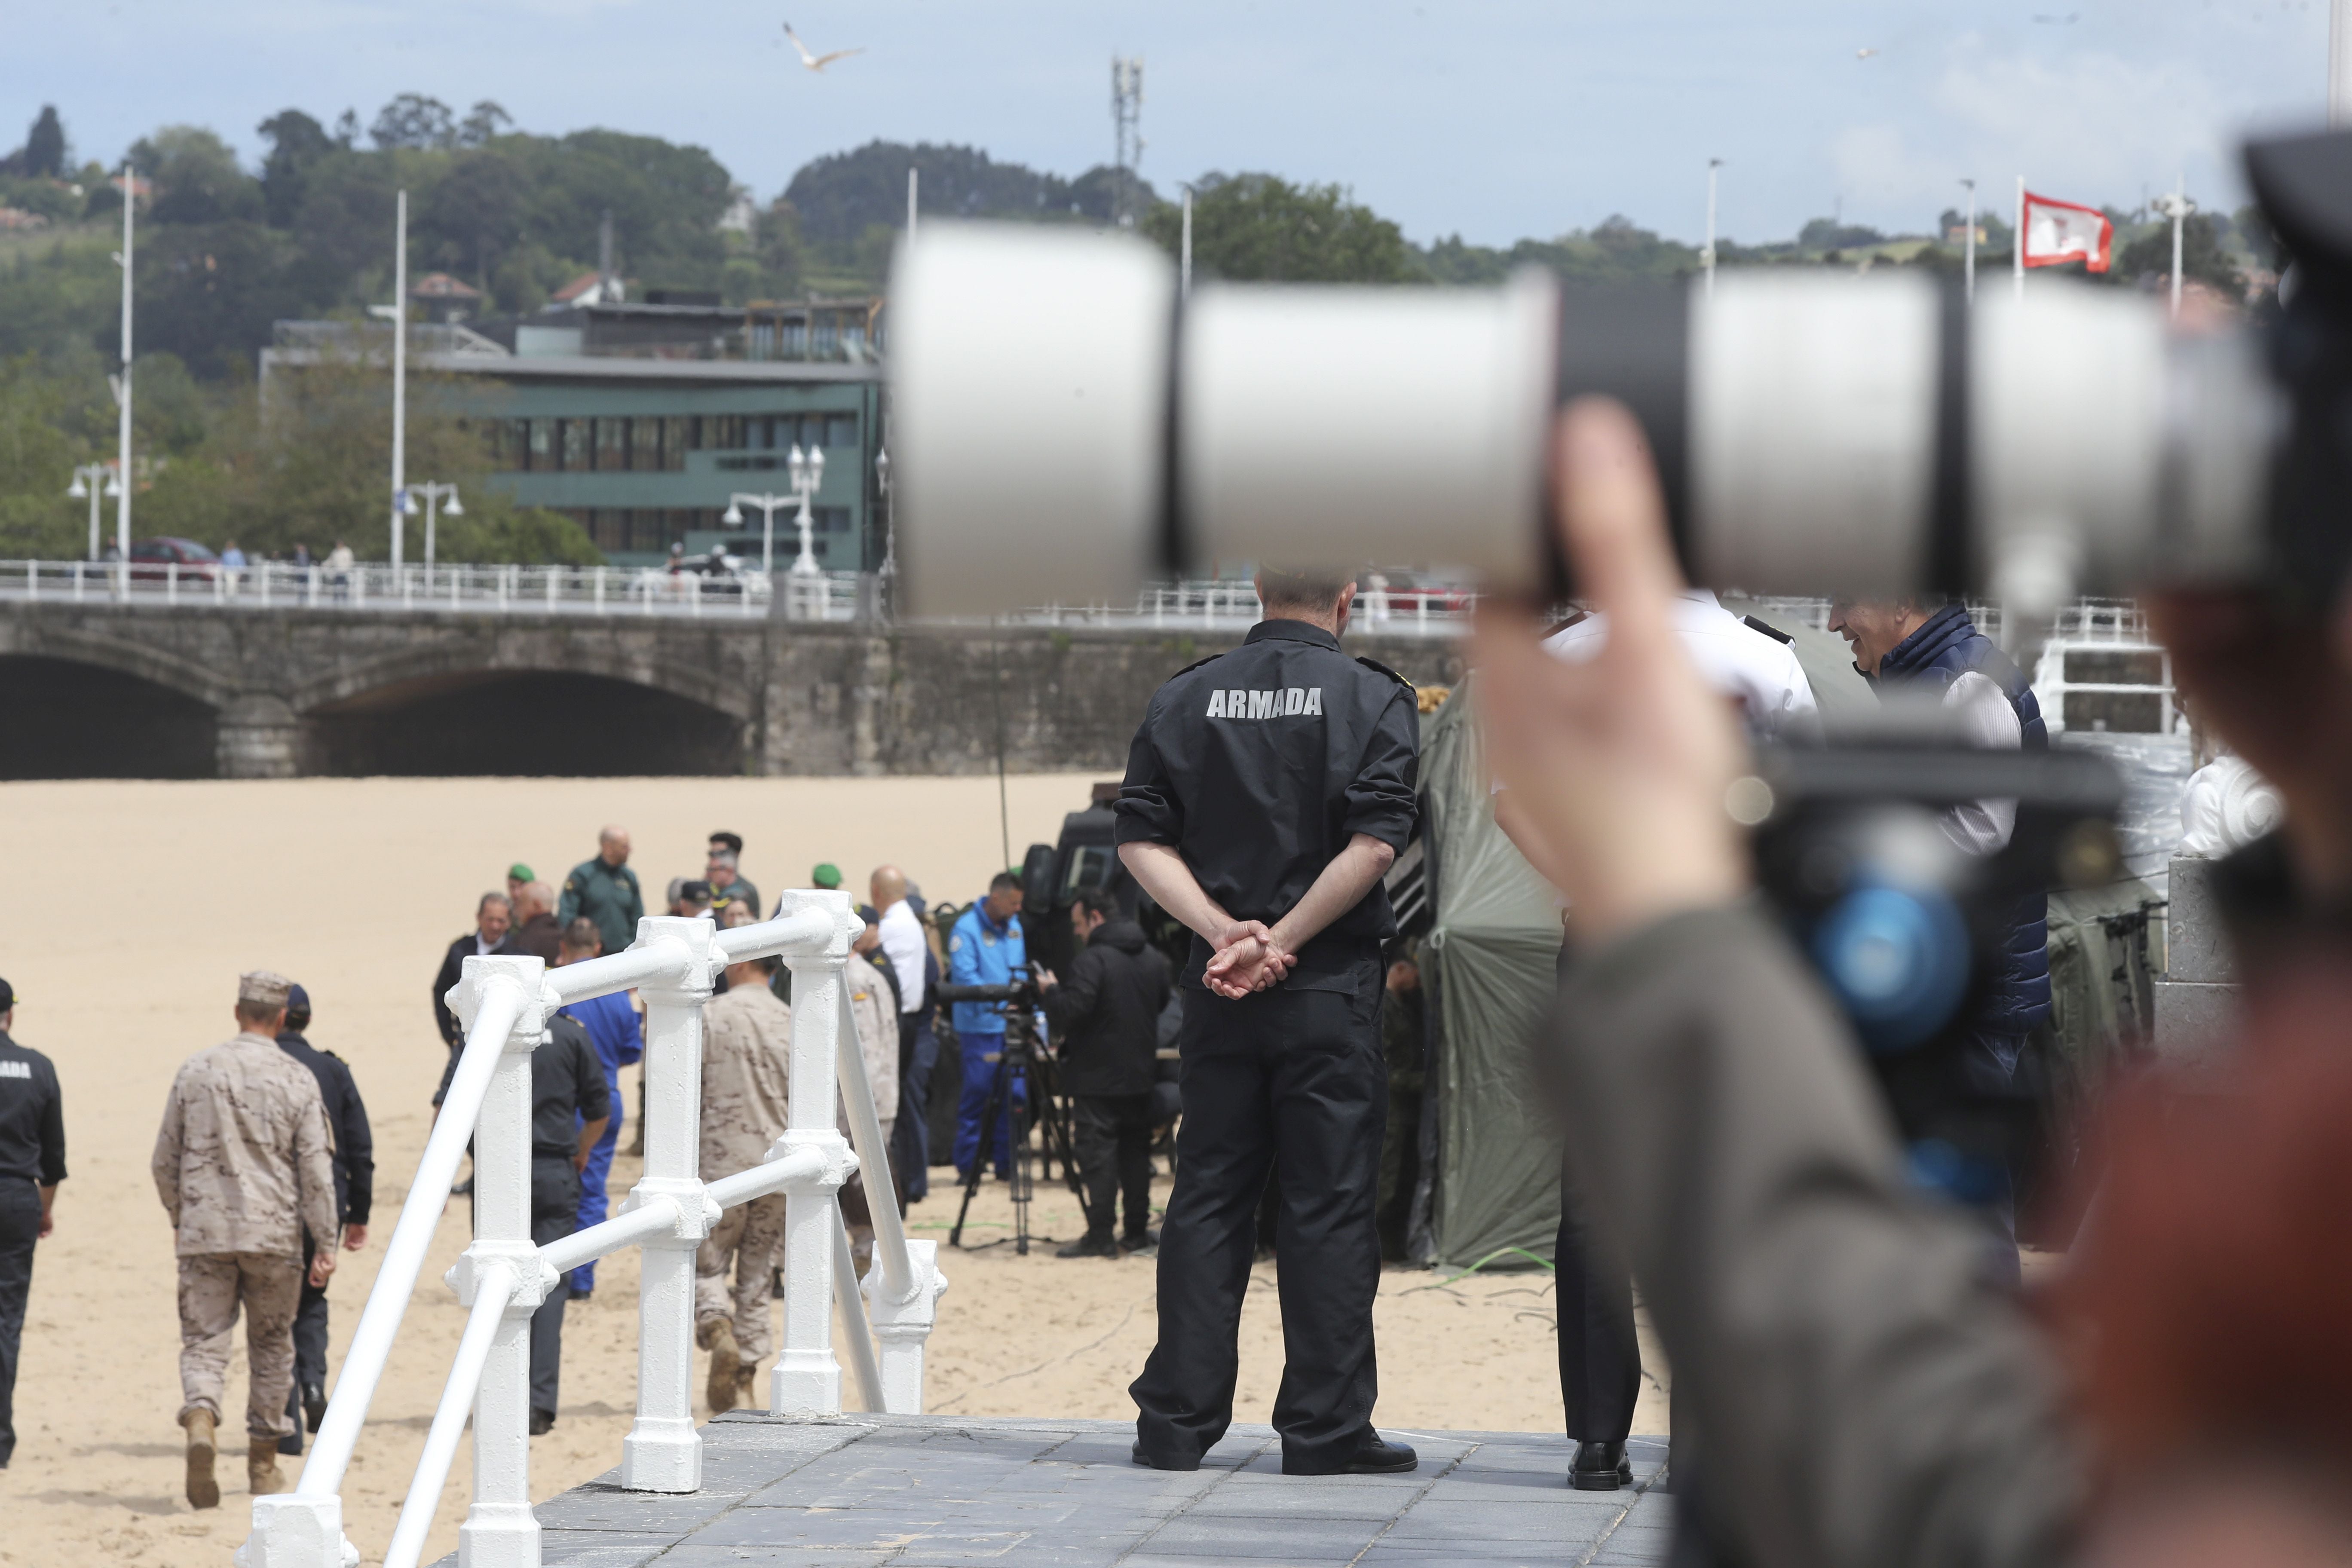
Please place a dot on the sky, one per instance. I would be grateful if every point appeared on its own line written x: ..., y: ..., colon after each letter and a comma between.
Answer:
x: 1491, y: 118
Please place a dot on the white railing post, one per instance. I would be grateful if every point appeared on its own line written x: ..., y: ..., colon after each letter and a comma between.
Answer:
x: 663, y: 1452
x: 904, y: 1283
x: 500, y: 1529
x: 807, y: 1378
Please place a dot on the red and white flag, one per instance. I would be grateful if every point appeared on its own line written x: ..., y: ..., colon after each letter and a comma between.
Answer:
x: 2057, y: 232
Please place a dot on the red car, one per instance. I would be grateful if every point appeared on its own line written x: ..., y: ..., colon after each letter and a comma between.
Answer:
x: 153, y: 559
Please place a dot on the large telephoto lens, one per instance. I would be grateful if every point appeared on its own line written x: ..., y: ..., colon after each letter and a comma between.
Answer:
x: 1067, y: 426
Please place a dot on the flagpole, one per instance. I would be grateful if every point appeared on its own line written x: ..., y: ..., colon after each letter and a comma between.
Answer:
x: 2339, y: 63
x: 2017, y: 245
x: 1968, y: 247
x: 1707, y: 255
x: 2179, y: 211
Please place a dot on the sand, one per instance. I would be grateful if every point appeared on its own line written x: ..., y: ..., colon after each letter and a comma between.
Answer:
x: 127, y: 911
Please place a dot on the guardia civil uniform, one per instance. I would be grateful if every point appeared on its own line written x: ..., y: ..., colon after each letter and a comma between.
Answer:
x: 609, y: 895
x: 1259, y: 765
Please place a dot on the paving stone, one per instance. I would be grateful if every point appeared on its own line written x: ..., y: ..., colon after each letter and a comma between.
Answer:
x: 1251, y: 1538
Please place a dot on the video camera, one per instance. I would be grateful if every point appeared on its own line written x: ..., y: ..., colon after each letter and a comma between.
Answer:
x: 1067, y: 425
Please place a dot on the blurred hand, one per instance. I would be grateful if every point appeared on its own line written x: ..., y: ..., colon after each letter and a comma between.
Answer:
x: 2279, y: 690
x: 322, y: 1264
x: 1617, y: 768
x: 354, y: 1238
x: 1046, y: 981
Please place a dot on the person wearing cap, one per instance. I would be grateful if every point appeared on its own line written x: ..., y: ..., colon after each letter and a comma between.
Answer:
x: 619, y: 1037
x: 826, y: 877
x: 354, y: 1197
x: 518, y: 877
x: 688, y: 897
x: 605, y: 891
x: 32, y: 1164
x: 728, y: 885
x: 493, y: 927
x: 243, y: 1164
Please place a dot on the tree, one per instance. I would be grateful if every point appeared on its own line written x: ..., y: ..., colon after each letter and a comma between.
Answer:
x: 1828, y: 233
x: 412, y: 119
x: 2203, y: 258
x: 1262, y: 227
x: 196, y: 177
x: 482, y: 124
x: 297, y: 144
x: 44, y: 157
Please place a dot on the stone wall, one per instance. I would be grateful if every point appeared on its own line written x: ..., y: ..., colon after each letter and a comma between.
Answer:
x: 296, y: 691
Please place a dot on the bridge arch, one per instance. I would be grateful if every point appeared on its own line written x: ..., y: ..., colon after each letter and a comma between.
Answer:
x: 570, y: 721
x: 69, y: 717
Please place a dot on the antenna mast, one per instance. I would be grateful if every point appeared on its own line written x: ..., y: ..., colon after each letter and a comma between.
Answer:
x: 1125, y: 112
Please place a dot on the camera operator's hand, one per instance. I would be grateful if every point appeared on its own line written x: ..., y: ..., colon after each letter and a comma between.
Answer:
x: 1046, y: 981
x: 1616, y: 768
x: 2279, y: 689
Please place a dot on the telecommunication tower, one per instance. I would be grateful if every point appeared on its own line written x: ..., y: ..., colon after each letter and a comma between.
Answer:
x: 1126, y: 111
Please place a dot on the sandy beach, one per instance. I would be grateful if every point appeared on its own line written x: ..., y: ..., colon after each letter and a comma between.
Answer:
x: 129, y: 909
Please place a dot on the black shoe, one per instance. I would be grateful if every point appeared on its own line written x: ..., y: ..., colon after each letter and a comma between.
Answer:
x: 464, y: 1189
x: 1088, y: 1247
x: 1376, y: 1456
x: 543, y: 1422
x: 1146, y: 1240
x: 292, y: 1445
x: 1600, y: 1467
x: 1148, y: 1462
x: 314, y: 1404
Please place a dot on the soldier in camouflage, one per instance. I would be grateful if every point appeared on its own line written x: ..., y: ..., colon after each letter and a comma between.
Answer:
x: 243, y: 1164
x: 747, y: 1035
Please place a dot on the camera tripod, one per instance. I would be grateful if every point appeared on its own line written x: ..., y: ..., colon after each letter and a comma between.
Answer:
x: 1018, y: 1065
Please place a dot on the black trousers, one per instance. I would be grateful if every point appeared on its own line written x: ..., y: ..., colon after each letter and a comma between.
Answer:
x: 310, y: 1346
x: 1295, y: 1075
x: 1112, y: 1136
x: 554, y: 1215
x: 20, y: 1229
x: 1600, y: 1359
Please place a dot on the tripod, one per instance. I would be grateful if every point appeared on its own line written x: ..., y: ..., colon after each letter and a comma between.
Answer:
x: 1016, y: 1066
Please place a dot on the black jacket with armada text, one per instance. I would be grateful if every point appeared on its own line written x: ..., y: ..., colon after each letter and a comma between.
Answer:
x: 1259, y: 764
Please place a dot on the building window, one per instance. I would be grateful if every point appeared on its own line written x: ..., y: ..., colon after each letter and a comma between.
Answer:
x: 571, y: 441
x: 674, y: 440
x: 611, y: 445
x: 645, y: 445
x: 540, y: 453
x: 829, y: 519
x: 609, y: 529
x: 726, y: 432
x: 841, y: 430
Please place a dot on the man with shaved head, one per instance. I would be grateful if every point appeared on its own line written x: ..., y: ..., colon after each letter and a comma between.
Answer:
x: 904, y: 952
x: 605, y: 891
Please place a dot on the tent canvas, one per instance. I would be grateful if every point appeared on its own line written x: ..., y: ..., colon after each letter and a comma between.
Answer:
x: 1489, y: 962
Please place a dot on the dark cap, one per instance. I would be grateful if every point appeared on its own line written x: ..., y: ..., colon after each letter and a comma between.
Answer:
x: 869, y: 914
x: 298, y: 1000
x: 7, y: 996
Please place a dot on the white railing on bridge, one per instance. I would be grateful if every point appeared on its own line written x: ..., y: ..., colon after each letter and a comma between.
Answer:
x: 505, y: 1002
x: 373, y: 587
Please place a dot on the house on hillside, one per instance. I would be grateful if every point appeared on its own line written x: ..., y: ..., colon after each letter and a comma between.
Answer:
x: 444, y: 297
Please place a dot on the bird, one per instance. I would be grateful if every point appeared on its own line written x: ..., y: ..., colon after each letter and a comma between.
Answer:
x: 1864, y: 54
x: 816, y: 62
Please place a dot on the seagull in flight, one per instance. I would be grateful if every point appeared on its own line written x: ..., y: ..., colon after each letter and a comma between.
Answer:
x: 816, y: 62
x: 1864, y: 54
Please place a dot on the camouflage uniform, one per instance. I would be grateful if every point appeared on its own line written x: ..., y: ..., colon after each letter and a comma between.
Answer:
x: 747, y: 1037
x: 244, y: 1162
x: 874, y: 1006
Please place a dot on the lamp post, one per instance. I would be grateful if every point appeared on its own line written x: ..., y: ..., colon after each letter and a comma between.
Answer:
x: 1968, y: 247
x: 769, y: 505
x: 121, y: 491
x: 2176, y: 206
x: 1706, y: 257
x: 808, y: 473
x: 432, y: 492
x: 90, y: 481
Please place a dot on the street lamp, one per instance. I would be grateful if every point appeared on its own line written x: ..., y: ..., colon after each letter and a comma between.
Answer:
x: 2176, y: 206
x: 808, y: 473
x: 432, y: 492
x: 90, y: 481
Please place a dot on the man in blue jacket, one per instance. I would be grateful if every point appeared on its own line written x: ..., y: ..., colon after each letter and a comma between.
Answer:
x: 985, y: 948
x: 613, y: 1028
x: 1936, y: 649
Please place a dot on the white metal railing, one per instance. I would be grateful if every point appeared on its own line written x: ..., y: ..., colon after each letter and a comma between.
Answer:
x: 505, y: 1002
x: 374, y: 587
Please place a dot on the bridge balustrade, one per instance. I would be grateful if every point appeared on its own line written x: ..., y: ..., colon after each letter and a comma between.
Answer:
x: 505, y: 1004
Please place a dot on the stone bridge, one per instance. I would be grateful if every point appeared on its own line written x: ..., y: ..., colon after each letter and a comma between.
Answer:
x: 144, y: 692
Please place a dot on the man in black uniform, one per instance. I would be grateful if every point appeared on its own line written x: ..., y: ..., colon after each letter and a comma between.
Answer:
x: 1266, y: 792
x: 32, y: 1164
x: 1105, y: 1020
x: 569, y: 1103
x: 354, y: 1197
x: 493, y: 922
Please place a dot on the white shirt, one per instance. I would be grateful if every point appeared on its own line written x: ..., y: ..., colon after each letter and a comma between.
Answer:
x: 1759, y: 672
x: 903, y: 946
x: 1980, y: 716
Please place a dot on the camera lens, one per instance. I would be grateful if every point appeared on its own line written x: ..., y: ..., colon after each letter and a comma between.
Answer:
x: 1897, y: 959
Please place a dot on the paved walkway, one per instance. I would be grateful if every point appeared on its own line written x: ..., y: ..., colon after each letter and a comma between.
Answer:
x: 939, y: 1493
